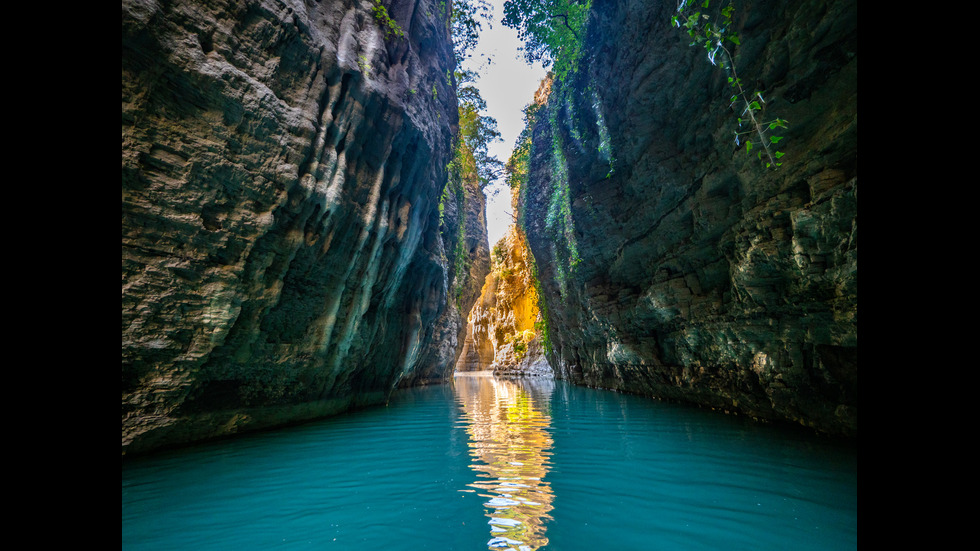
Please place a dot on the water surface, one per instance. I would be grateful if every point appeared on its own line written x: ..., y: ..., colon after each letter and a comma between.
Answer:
x: 493, y: 464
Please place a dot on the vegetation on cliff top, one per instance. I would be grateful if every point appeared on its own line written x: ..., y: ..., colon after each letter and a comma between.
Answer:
x: 472, y: 166
x: 552, y: 31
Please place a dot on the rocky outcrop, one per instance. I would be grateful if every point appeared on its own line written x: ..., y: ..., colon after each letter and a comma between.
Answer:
x: 464, y: 230
x: 503, y: 334
x: 673, y: 264
x: 282, y: 253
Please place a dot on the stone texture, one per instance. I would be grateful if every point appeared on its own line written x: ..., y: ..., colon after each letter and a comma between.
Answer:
x: 282, y: 254
x: 501, y: 334
x: 465, y: 233
x: 683, y: 270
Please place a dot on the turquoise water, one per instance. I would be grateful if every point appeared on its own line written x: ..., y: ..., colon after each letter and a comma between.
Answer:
x: 489, y: 464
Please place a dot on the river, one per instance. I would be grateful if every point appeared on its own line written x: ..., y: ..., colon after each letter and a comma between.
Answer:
x: 496, y: 464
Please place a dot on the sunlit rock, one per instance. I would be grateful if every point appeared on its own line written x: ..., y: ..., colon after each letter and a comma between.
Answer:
x: 283, y: 256
x: 503, y: 335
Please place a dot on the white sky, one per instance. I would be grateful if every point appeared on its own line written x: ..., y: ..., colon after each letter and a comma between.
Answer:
x: 508, y: 85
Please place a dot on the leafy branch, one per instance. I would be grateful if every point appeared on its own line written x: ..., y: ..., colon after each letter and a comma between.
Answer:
x: 390, y: 26
x: 716, y: 39
x: 551, y: 31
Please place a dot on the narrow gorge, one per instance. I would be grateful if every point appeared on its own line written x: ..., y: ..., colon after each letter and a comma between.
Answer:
x: 675, y: 265
x: 304, y: 230
x: 288, y: 251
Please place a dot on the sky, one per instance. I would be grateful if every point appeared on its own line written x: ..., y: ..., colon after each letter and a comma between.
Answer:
x: 507, y: 84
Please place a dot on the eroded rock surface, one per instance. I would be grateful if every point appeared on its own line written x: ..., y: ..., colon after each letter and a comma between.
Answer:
x: 502, y: 335
x: 672, y: 263
x: 282, y: 254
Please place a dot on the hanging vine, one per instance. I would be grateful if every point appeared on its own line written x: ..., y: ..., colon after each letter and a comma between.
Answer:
x: 714, y: 34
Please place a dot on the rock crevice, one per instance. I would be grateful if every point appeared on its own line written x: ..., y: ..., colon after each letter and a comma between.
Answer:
x: 283, y: 254
x: 673, y: 264
x: 503, y: 333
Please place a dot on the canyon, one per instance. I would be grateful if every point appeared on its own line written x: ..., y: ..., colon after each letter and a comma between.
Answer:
x: 295, y: 242
x: 504, y: 326
x: 285, y: 255
x: 673, y: 264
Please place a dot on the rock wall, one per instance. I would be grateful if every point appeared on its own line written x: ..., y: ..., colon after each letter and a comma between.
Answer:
x: 465, y: 233
x: 502, y: 335
x: 674, y: 265
x: 282, y: 253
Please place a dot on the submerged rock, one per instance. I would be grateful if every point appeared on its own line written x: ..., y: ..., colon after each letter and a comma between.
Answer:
x: 674, y: 265
x: 282, y: 254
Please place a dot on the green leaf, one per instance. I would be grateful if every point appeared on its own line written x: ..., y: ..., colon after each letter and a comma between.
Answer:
x: 779, y: 154
x: 775, y: 139
x: 748, y: 146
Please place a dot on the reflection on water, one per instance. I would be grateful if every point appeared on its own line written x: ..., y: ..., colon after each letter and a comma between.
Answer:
x: 508, y: 423
x: 500, y: 465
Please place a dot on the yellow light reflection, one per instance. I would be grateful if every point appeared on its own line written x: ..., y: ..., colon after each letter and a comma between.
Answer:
x: 507, y: 422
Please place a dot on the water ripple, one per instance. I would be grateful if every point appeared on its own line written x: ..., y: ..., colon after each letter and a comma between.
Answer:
x: 503, y: 465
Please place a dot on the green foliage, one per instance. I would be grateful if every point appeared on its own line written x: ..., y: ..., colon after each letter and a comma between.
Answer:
x: 476, y: 133
x: 389, y: 25
x: 455, y: 189
x: 712, y: 31
x: 551, y: 30
x: 498, y: 253
x: 364, y: 64
x: 605, y: 140
x: 541, y: 326
x: 520, y: 339
x: 517, y: 164
x: 471, y: 164
x: 465, y: 25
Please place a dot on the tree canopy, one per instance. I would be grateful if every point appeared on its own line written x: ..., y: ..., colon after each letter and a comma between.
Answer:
x: 466, y: 25
x: 476, y: 133
x: 551, y: 30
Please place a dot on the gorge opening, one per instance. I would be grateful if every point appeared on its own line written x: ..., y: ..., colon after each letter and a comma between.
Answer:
x: 664, y: 316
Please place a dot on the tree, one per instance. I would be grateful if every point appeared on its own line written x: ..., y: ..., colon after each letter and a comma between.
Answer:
x: 476, y: 133
x: 465, y: 25
x: 552, y: 30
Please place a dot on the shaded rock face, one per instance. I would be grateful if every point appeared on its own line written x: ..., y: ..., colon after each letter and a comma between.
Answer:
x: 465, y: 233
x: 672, y: 264
x: 282, y: 254
x: 501, y: 335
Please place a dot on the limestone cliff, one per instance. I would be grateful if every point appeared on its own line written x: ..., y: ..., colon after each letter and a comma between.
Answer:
x: 673, y: 264
x: 503, y: 334
x: 465, y: 233
x: 282, y: 253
